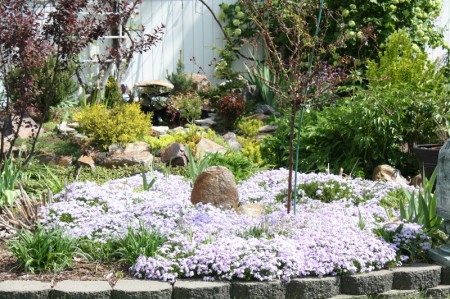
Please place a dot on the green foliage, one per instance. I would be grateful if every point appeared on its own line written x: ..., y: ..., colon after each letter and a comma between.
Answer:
x: 251, y: 148
x: 331, y: 191
x: 113, y: 94
x: 367, y: 25
x: 147, y: 185
x: 421, y: 208
x: 136, y: 243
x: 237, y: 162
x: 42, y: 250
x: 195, y: 168
x: 102, y: 175
x: 189, y: 105
x: 181, y: 82
x: 38, y: 178
x: 404, y: 104
x: 56, y: 84
x: 9, y: 177
x: 258, y: 232
x: 191, y: 137
x: 275, y: 148
x: 263, y: 78
x: 99, y: 252
x: 249, y: 127
x: 122, y: 124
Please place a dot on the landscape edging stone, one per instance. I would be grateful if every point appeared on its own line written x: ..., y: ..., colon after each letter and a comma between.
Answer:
x: 350, y: 286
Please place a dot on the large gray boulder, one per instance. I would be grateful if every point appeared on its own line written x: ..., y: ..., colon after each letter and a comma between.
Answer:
x: 216, y: 186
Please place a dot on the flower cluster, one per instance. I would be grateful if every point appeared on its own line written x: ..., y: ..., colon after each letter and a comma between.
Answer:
x: 207, y: 242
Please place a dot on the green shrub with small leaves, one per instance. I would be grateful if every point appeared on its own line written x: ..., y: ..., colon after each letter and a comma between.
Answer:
x: 181, y: 82
x: 188, y: 104
x: 122, y: 124
x: 249, y: 127
x: 237, y: 162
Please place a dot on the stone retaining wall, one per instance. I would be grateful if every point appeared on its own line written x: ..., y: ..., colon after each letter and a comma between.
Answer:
x: 414, y: 281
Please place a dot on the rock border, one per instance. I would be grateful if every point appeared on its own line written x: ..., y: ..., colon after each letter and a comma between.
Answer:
x: 412, y: 281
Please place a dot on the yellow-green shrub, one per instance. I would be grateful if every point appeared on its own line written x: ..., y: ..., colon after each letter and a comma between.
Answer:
x: 189, y: 137
x: 249, y: 127
x: 252, y: 149
x: 122, y: 124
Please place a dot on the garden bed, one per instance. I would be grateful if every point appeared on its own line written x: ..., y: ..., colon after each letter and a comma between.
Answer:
x: 332, y: 232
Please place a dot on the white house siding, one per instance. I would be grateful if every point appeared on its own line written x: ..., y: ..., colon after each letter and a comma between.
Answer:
x: 189, y: 27
x: 443, y: 21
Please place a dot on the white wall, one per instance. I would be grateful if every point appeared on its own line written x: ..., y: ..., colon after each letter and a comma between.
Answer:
x: 443, y: 21
x: 190, y: 27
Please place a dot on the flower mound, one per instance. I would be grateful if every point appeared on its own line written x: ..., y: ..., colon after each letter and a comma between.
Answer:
x: 203, y: 241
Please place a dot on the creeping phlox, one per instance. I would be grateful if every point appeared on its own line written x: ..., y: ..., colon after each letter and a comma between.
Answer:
x: 204, y: 241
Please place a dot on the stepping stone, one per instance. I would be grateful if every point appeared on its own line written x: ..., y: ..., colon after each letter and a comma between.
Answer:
x: 258, y: 290
x: 367, y: 283
x: 198, y: 289
x: 81, y: 290
x: 21, y: 289
x: 416, y: 276
x: 132, y: 289
x: 312, y: 287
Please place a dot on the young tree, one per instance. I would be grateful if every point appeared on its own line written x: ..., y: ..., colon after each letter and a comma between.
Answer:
x: 35, y: 32
x: 292, y: 34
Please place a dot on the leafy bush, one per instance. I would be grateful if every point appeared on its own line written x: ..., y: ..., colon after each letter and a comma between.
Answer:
x: 113, y: 94
x: 49, y: 78
x: 42, y: 250
x: 404, y: 104
x: 251, y: 148
x: 122, y: 124
x: 231, y: 106
x: 239, y: 164
x: 249, y: 127
x: 189, y: 105
x: 275, y: 148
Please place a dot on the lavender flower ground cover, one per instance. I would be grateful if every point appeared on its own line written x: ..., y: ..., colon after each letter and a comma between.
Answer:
x: 204, y: 241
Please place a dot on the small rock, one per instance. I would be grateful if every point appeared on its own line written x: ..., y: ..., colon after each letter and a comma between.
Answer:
x: 64, y: 129
x: 216, y: 186
x: 200, y: 82
x: 266, y: 109
x: 175, y: 154
x: 64, y: 161
x: 208, y: 146
x: 132, y: 154
x: 160, y: 130
x: 231, y: 139
x: 86, y: 161
x: 267, y: 129
x: 251, y: 210
x: 388, y: 173
x: 205, y: 122
x: 259, y: 116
